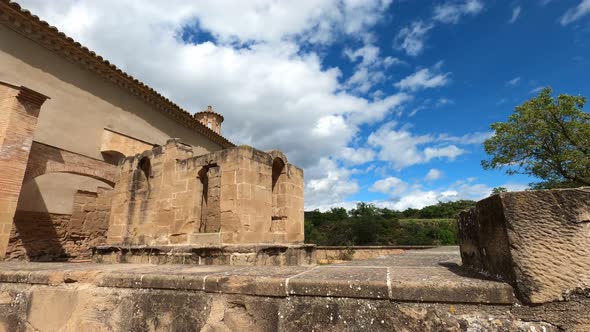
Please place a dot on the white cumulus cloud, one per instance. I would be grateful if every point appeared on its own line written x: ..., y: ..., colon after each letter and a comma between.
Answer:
x: 273, y: 92
x: 433, y: 174
x: 423, y: 79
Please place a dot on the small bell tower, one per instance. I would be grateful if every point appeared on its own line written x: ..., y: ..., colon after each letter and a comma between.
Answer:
x: 210, y: 119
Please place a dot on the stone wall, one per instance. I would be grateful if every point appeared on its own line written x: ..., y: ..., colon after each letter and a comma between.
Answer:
x: 78, y: 306
x: 167, y: 196
x: 42, y: 236
x: 537, y: 240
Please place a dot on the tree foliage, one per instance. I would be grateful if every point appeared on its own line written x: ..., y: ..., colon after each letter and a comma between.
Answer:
x: 499, y: 190
x: 367, y: 224
x: 545, y: 137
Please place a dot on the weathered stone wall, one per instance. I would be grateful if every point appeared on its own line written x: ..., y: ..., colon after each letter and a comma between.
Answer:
x: 25, y: 307
x: 222, y: 197
x: 42, y: 236
x: 537, y: 240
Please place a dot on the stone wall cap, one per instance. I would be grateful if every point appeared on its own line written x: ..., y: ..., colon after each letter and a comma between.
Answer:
x: 414, y: 278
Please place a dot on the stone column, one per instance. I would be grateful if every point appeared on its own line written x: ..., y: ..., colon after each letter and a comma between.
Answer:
x: 19, y: 109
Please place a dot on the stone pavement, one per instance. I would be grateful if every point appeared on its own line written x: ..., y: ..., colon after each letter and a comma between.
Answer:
x: 431, y: 275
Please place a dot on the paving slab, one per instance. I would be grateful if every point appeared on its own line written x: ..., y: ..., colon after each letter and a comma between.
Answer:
x: 431, y: 275
x: 341, y: 281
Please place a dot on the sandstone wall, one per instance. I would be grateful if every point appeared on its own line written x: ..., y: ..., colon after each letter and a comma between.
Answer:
x: 537, y: 240
x: 43, y: 236
x: 222, y: 197
x: 80, y: 307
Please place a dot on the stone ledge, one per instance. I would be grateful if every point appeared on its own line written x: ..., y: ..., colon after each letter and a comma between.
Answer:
x: 240, y: 254
x: 412, y: 276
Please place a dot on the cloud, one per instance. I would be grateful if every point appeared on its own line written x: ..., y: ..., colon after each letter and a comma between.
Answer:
x: 515, y: 14
x: 328, y: 183
x: 403, y: 149
x: 433, y: 174
x: 513, y: 82
x: 452, y: 11
x: 390, y: 185
x: 537, y: 90
x: 417, y: 197
x: 369, y: 70
x: 272, y: 91
x: 575, y: 13
x: 353, y: 156
x: 444, y: 101
x: 423, y: 79
x: 411, y: 38
x: 471, y: 138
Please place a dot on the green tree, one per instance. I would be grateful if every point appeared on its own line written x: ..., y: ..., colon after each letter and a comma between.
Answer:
x: 499, y: 190
x: 546, y: 137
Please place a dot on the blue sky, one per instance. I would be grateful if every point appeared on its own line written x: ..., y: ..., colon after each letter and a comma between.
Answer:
x: 380, y: 101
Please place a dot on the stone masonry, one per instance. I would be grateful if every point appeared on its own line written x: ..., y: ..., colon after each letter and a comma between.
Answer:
x: 41, y: 236
x: 537, y: 240
x: 167, y: 196
x: 19, y: 109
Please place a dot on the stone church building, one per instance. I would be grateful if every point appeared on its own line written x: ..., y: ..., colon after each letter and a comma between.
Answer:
x: 90, y: 156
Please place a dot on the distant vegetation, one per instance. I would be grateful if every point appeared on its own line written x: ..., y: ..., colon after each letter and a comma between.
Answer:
x: 369, y: 225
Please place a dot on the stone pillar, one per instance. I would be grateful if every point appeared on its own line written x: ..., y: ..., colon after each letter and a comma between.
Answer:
x: 19, y: 109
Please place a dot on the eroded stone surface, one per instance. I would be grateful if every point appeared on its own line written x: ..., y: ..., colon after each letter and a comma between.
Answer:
x: 537, y: 240
x: 422, y: 290
x: 28, y: 307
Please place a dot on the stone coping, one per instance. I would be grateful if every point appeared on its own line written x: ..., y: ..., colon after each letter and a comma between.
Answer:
x: 375, y: 247
x: 432, y: 275
x: 244, y: 248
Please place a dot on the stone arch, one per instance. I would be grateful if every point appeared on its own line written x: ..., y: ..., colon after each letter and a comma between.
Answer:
x: 78, y: 170
x: 44, y: 159
x: 278, y: 154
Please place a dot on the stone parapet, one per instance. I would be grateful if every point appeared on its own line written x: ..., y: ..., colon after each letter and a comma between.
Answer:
x: 537, y: 240
x: 423, y: 290
x: 263, y: 254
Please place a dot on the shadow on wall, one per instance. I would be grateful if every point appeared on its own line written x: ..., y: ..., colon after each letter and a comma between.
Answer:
x: 57, y: 219
x: 37, y: 235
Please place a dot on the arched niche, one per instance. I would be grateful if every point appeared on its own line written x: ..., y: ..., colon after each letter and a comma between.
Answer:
x: 210, y: 201
x: 140, y: 185
x: 279, y: 179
